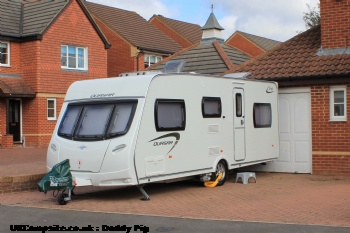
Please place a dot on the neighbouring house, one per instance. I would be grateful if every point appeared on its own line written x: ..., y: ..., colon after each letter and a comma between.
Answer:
x: 313, y: 73
x: 185, y: 34
x: 209, y: 56
x: 44, y: 47
x: 136, y: 43
x: 251, y: 44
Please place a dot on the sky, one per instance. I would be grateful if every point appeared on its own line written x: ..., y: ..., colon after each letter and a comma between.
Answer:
x: 273, y: 19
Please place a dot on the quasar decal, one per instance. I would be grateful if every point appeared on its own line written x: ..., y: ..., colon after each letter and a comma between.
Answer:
x: 164, y: 143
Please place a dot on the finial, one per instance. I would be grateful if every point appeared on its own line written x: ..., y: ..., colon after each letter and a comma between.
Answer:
x: 212, y: 8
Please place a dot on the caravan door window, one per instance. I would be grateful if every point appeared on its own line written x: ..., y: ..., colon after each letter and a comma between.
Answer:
x: 238, y: 104
x: 170, y: 115
x: 97, y: 121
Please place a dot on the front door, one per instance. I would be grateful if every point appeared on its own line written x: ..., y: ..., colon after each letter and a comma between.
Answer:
x: 14, y: 119
x: 239, y: 123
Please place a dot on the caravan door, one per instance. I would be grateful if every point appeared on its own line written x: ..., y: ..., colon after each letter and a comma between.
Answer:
x: 239, y: 123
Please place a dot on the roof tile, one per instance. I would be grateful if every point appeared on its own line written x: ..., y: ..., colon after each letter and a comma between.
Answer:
x: 297, y: 58
x: 191, y: 32
x: 132, y: 27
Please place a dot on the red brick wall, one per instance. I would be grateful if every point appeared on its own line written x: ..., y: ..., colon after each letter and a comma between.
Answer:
x: 241, y: 43
x: 71, y: 28
x: 171, y: 33
x: 120, y: 59
x: 335, y: 24
x: 2, y: 117
x: 46, y: 75
x: 330, y: 140
x: 38, y: 62
x: 15, y: 64
x: 29, y: 60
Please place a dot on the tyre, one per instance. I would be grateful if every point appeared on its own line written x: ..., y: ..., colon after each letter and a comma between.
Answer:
x: 61, y: 200
x: 220, y: 167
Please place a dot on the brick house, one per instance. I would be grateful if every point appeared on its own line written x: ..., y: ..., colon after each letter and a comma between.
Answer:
x: 185, y: 34
x: 313, y: 72
x: 251, y: 44
x: 42, y: 53
x: 209, y: 56
x: 136, y: 43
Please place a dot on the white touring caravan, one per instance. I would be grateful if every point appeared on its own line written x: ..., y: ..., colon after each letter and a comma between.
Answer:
x: 135, y: 130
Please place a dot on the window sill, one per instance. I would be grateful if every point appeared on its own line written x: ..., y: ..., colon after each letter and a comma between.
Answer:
x: 74, y: 70
x: 338, y: 120
x: 7, y: 66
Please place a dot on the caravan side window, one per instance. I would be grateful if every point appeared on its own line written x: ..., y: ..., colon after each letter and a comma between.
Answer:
x: 262, y: 115
x: 211, y: 107
x: 170, y: 115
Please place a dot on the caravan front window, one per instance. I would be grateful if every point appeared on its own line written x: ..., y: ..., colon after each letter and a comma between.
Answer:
x: 96, y: 121
x: 93, y: 121
x: 69, y: 121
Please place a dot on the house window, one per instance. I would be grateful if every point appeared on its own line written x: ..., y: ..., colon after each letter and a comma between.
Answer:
x: 262, y: 115
x: 4, y: 54
x: 73, y: 57
x: 51, y: 109
x: 170, y: 115
x: 151, y: 60
x: 337, y: 103
x: 211, y: 107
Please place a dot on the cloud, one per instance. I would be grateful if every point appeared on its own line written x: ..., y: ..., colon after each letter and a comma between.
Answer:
x: 230, y: 25
x: 274, y: 19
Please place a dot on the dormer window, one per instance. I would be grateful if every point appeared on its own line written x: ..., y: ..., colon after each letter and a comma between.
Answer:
x: 4, y: 53
x: 151, y: 60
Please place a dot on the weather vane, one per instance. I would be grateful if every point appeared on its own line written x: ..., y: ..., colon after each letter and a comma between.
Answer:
x: 212, y: 8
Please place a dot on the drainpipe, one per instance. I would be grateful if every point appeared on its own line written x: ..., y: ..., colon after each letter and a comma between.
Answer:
x: 137, y: 58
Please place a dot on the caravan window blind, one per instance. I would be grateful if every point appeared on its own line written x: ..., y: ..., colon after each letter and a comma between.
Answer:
x: 211, y: 107
x: 170, y: 115
x: 95, y: 121
x: 262, y: 115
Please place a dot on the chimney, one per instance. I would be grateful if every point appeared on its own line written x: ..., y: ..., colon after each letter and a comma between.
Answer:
x: 335, y: 24
x: 212, y: 30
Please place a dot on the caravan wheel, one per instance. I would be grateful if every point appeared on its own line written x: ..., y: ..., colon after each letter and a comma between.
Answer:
x: 220, y: 168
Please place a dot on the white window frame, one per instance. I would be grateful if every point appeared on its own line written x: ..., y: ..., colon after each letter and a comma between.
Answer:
x: 333, y: 117
x: 85, y: 57
x: 147, y: 60
x: 8, y: 54
x: 54, y: 109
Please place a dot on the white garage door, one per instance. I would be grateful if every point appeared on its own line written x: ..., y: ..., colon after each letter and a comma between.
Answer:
x: 295, y: 133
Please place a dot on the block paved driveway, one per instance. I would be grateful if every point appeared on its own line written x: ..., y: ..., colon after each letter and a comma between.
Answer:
x: 277, y: 198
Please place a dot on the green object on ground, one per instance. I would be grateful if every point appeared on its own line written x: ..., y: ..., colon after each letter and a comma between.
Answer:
x: 59, y: 178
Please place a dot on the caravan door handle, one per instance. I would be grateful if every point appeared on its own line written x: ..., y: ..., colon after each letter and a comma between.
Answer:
x: 242, y: 121
x: 119, y: 148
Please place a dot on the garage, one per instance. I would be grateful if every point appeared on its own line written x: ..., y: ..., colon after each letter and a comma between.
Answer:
x: 294, y: 132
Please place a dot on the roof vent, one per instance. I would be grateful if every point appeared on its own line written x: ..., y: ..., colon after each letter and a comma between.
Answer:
x: 237, y: 75
x: 175, y: 66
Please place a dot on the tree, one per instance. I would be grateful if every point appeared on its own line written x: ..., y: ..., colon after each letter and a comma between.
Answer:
x: 313, y: 17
